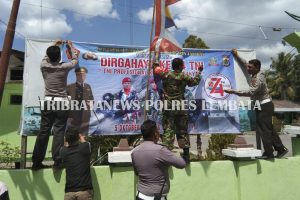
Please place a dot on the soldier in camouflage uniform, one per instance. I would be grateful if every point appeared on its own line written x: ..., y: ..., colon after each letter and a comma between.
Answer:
x: 176, y: 121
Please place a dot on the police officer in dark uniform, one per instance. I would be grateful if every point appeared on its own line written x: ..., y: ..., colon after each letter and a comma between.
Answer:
x: 81, y: 91
x: 258, y: 91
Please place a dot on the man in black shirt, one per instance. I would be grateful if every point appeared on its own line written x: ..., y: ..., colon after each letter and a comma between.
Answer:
x: 76, y: 157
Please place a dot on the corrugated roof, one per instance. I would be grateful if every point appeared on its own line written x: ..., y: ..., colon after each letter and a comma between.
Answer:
x: 286, y: 106
x: 17, y: 53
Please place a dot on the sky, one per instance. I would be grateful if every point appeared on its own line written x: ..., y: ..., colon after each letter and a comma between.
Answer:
x: 222, y: 24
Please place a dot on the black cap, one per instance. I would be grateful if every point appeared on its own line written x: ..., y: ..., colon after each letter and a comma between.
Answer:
x: 81, y: 70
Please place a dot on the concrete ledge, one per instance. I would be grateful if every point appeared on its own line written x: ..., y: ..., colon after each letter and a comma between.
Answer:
x: 119, y: 157
x: 275, y: 179
x: 294, y: 130
x: 243, y: 153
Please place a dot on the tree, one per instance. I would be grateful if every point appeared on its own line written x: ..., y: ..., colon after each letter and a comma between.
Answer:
x: 280, y: 77
x: 193, y: 41
x: 296, y: 76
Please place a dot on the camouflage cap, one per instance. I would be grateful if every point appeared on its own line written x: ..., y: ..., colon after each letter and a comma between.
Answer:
x: 155, y: 64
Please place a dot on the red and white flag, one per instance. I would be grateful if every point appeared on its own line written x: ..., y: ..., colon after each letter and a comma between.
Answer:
x: 163, y: 40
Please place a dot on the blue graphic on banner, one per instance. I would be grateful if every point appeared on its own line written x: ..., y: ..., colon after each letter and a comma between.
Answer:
x: 116, y: 81
x: 108, y: 70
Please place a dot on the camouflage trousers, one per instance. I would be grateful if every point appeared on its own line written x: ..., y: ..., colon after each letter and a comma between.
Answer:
x: 175, y: 123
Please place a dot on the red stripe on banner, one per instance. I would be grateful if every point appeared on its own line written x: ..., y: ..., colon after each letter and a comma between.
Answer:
x: 170, y: 2
x: 168, y: 46
x: 163, y: 40
x: 152, y: 47
x: 165, y: 45
x: 158, y: 17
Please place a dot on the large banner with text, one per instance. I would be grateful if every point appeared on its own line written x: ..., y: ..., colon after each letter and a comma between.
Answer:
x: 107, y: 91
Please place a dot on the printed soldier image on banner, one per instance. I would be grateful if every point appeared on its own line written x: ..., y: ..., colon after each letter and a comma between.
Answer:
x: 107, y: 91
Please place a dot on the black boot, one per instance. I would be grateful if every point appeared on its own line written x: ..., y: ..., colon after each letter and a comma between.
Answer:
x: 186, y: 155
x: 282, y: 152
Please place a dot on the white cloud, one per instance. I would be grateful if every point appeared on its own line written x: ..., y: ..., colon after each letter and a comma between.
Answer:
x: 265, y: 52
x: 271, y: 50
x: 210, y: 20
x: 36, y: 29
x: 4, y: 13
x: 88, y: 8
x: 48, y: 24
x: 145, y: 15
x: 51, y: 22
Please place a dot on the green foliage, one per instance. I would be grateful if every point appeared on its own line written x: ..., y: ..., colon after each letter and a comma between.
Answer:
x: 281, y: 77
x: 193, y: 41
x: 295, y: 71
x: 216, y: 143
x: 277, y: 124
x: 106, y: 144
x: 8, y: 154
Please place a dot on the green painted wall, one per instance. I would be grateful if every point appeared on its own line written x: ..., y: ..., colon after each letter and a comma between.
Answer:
x: 204, y: 180
x: 296, y: 146
x: 278, y: 179
x: 240, y: 180
x: 245, y: 180
x: 10, y: 119
x: 10, y: 114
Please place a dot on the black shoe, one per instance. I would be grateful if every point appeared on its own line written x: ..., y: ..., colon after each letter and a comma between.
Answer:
x: 282, y: 152
x: 186, y: 155
x: 266, y: 156
x: 38, y: 166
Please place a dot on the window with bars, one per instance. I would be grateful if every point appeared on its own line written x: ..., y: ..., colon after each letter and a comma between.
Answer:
x: 16, y: 99
x: 16, y: 73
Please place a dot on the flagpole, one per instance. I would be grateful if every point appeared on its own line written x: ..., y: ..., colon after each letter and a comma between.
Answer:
x: 149, y: 66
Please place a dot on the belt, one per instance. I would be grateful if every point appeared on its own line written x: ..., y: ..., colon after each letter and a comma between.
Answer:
x: 146, y: 197
x: 50, y: 98
x: 265, y: 101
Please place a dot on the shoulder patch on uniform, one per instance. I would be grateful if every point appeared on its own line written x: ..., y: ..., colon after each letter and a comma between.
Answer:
x: 254, y: 82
